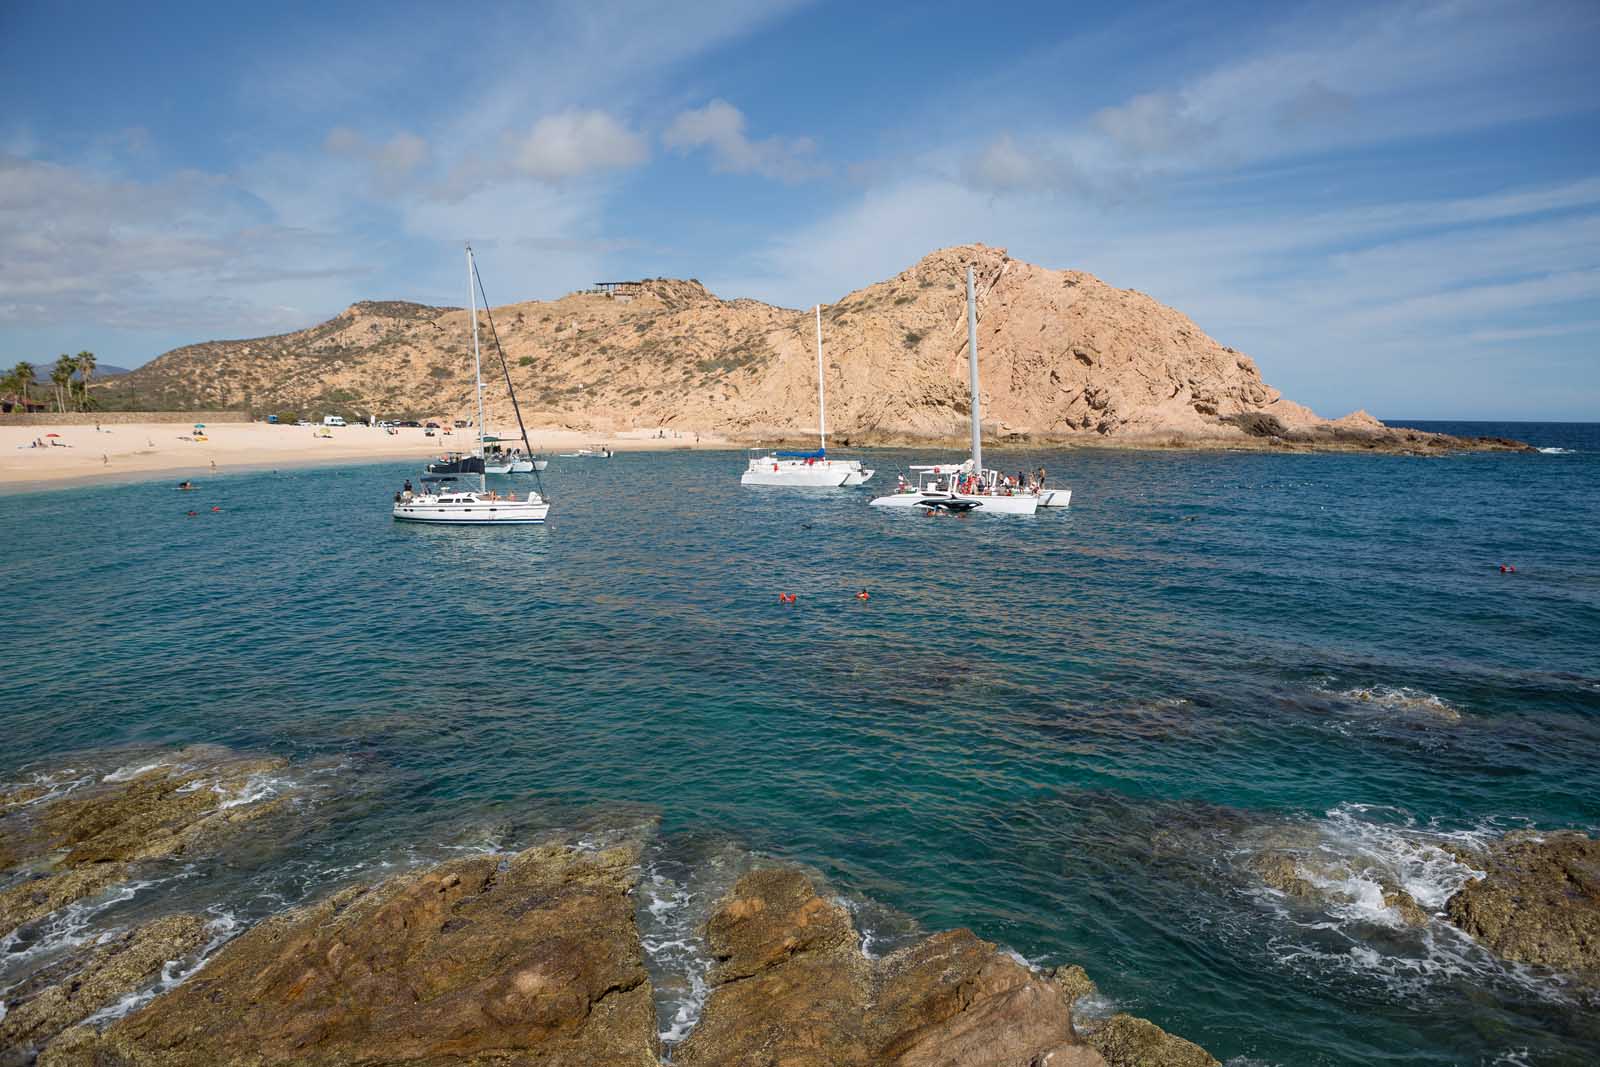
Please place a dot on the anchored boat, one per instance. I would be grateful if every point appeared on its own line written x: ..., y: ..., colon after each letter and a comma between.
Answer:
x: 811, y: 469
x: 442, y: 501
x: 968, y: 487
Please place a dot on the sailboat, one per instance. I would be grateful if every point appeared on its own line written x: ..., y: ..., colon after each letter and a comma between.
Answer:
x: 967, y: 487
x: 446, y: 503
x: 806, y: 468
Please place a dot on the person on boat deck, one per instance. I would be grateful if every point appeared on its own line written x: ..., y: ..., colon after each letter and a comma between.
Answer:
x: 407, y: 487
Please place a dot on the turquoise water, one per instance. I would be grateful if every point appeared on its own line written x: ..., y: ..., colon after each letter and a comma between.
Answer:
x: 1070, y: 732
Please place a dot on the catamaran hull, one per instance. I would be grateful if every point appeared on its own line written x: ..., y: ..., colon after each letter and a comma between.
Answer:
x: 822, y: 475
x: 960, y: 502
x: 503, y: 513
x: 1055, y: 498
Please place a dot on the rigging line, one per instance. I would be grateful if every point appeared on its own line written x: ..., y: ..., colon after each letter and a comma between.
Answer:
x: 504, y: 366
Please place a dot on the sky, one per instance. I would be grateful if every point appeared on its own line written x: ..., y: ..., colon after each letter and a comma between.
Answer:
x: 1393, y: 207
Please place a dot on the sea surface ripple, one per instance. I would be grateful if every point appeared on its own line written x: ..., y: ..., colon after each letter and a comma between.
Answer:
x: 1069, y: 732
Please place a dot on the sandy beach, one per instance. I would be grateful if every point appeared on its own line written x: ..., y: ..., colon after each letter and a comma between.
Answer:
x: 79, y: 455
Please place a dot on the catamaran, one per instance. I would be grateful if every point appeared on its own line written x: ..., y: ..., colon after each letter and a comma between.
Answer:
x: 806, y: 468
x: 967, y: 486
x: 443, y: 501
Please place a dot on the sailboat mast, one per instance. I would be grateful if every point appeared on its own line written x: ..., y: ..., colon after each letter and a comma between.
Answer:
x: 822, y: 402
x: 477, y: 368
x: 972, y: 360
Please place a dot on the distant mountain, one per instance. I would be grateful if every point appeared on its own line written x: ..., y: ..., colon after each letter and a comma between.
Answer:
x: 1063, y: 356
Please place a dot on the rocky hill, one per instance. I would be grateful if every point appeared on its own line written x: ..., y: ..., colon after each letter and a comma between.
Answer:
x: 1063, y: 357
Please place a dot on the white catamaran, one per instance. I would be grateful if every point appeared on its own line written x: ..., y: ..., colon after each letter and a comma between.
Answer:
x: 444, y: 503
x: 967, y: 486
x: 806, y: 468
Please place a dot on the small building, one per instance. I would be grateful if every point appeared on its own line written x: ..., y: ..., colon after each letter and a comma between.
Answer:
x: 621, y: 291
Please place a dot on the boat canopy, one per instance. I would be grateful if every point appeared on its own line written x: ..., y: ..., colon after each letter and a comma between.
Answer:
x: 821, y: 453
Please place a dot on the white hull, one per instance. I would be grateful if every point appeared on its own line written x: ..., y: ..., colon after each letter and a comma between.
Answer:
x: 798, y: 473
x: 1021, y: 504
x: 1055, y: 498
x: 520, y: 466
x: 471, y: 509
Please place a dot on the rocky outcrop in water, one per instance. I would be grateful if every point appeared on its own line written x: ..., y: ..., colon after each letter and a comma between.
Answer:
x: 1538, y: 902
x: 535, y: 959
x: 487, y: 960
x: 90, y: 839
x: 792, y: 987
x: 57, y: 997
x: 1309, y: 875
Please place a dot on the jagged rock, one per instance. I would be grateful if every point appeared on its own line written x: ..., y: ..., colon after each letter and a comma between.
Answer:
x: 791, y: 987
x: 1281, y: 870
x: 534, y: 960
x: 1126, y: 1041
x: 1538, y: 902
x: 51, y: 1001
x: 1060, y: 349
x: 1073, y: 982
x: 87, y: 840
x: 1286, y: 871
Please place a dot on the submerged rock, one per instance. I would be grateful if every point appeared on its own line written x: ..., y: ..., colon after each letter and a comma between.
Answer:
x: 88, y: 840
x: 484, y: 960
x: 1538, y: 902
x: 792, y: 987
x: 51, y: 1001
x: 1310, y: 876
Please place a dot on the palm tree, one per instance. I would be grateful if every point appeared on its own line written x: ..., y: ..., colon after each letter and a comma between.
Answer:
x: 10, y: 385
x: 25, y: 373
x: 85, y: 363
x: 61, y: 377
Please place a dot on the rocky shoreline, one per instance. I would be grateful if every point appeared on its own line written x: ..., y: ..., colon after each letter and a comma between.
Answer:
x: 536, y: 956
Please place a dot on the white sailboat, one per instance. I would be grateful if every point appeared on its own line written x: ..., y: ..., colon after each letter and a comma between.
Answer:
x: 444, y: 503
x: 811, y: 469
x: 968, y: 486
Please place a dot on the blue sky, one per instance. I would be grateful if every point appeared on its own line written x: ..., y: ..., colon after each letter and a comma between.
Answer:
x: 1393, y: 207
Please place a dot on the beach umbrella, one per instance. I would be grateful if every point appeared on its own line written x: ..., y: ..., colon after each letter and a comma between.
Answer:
x: 199, y: 425
x: 52, y: 435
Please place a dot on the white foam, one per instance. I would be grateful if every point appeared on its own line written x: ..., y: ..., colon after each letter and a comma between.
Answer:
x: 1359, y: 849
x: 1558, y: 451
x: 130, y: 771
x: 56, y: 785
x: 174, y: 972
x: 1401, y: 698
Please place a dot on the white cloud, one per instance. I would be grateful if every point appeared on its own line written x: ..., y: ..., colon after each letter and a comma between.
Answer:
x: 398, y: 156
x: 719, y: 127
x: 577, y: 142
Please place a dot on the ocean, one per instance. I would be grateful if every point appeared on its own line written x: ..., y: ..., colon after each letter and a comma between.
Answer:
x: 1071, y: 733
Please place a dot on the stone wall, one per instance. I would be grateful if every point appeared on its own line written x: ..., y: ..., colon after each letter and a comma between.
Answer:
x: 119, y: 418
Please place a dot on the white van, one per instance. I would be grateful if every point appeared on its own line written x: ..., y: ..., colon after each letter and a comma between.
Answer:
x: 332, y: 420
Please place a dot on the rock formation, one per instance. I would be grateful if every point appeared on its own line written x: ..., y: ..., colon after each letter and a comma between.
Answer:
x: 535, y: 959
x: 1538, y: 902
x: 1064, y: 357
x: 532, y: 959
x: 89, y: 839
x: 50, y: 1001
x: 792, y: 987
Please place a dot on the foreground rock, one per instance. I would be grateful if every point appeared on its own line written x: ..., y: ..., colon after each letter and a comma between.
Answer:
x: 1538, y: 902
x: 89, y: 839
x: 48, y: 1002
x: 792, y: 987
x: 532, y: 960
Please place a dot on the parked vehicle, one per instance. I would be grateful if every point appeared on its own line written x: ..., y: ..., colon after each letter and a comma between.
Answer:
x: 332, y: 420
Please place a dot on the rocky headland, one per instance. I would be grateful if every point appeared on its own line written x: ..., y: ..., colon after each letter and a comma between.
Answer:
x: 1066, y: 360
